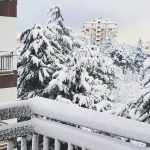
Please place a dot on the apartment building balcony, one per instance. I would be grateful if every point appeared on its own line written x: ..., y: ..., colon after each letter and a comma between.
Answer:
x: 8, y: 76
x: 51, y: 120
x: 6, y: 62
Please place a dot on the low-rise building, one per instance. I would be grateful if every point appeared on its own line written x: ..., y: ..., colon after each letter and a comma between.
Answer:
x: 8, y: 58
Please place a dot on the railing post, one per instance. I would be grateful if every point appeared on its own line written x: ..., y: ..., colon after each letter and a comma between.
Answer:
x: 23, y: 143
x: 10, y: 145
x: 70, y: 146
x: 83, y: 148
x: 45, y: 143
x: 57, y: 145
x: 35, y: 142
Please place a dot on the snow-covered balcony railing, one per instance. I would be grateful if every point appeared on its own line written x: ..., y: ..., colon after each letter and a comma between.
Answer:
x: 87, y: 129
x: 6, y: 62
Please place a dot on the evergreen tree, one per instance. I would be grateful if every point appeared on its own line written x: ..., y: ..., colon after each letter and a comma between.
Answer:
x: 122, y: 56
x: 61, y: 36
x: 43, y: 52
x: 85, y: 81
x: 33, y: 66
x: 140, y: 108
x: 139, y: 56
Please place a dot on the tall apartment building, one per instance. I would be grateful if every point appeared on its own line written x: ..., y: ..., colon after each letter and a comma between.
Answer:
x: 99, y: 31
x: 8, y: 58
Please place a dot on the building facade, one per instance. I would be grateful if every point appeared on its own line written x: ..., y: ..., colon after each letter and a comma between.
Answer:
x: 99, y: 31
x: 8, y: 58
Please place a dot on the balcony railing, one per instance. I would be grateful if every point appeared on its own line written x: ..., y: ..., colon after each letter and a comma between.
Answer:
x: 87, y: 129
x: 6, y: 62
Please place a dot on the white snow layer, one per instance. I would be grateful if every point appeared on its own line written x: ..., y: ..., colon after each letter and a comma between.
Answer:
x: 78, y: 137
x: 91, y: 119
x: 83, y: 117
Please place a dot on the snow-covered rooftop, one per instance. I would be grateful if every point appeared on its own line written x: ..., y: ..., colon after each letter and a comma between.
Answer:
x: 101, y: 20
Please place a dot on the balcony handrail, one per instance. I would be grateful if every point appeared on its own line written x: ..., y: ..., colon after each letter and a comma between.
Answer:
x: 62, y: 132
x: 6, y: 62
x: 20, y: 129
x: 78, y: 137
x: 58, y: 120
x: 15, y: 110
x: 74, y: 114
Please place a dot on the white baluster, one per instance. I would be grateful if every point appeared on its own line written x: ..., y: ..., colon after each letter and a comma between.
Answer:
x: 35, y: 142
x: 70, y: 146
x: 83, y: 148
x: 3, y: 63
x: 0, y: 63
x: 57, y: 145
x: 10, y: 145
x: 45, y: 143
x: 23, y: 143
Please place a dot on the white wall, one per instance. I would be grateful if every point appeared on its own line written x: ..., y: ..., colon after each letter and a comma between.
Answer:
x: 8, y: 94
x: 8, y: 35
x: 15, y: 59
x: 8, y: 42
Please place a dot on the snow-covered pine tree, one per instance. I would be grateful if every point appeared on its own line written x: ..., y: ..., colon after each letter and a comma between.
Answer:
x: 140, y: 108
x: 44, y: 51
x: 139, y: 56
x: 85, y: 81
x: 122, y: 56
x: 62, y: 36
x: 35, y: 64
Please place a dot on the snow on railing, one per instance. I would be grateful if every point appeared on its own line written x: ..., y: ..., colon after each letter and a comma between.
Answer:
x: 70, y: 124
x: 6, y: 62
x: 15, y: 110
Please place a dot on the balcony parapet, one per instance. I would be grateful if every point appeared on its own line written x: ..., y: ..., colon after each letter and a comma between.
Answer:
x: 71, y: 124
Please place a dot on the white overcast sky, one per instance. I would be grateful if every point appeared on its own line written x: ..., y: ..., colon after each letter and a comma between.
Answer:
x: 132, y: 16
